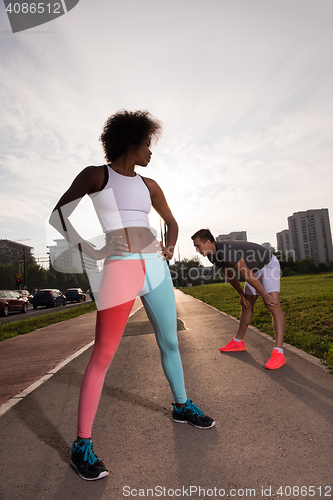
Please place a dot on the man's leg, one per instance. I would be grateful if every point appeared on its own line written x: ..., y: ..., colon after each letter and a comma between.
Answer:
x: 277, y: 358
x: 246, y: 316
x: 271, y: 282
x: 278, y: 320
x: 237, y: 344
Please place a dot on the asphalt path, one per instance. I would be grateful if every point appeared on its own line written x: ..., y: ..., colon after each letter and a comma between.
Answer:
x: 273, y: 435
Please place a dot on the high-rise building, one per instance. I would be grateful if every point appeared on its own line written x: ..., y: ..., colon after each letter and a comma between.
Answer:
x: 310, y: 235
x: 284, y: 243
x: 235, y: 235
x: 12, y: 250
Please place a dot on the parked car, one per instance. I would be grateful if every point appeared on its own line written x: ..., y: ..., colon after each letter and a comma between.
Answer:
x: 12, y: 301
x: 75, y: 295
x: 91, y: 294
x: 25, y: 294
x: 49, y: 297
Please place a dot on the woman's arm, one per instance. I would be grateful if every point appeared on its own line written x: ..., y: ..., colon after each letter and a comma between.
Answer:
x: 162, y: 208
x: 88, y: 181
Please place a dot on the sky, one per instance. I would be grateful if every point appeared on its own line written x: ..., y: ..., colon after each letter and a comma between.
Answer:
x: 243, y: 89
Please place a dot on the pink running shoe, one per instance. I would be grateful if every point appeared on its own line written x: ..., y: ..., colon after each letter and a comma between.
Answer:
x: 276, y: 361
x: 233, y: 346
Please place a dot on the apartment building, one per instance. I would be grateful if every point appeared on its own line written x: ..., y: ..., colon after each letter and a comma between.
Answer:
x: 235, y: 235
x: 308, y: 235
x: 13, y: 250
x: 283, y: 242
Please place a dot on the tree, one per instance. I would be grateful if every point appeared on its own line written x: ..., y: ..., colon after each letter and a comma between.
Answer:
x: 36, y: 276
x: 7, y: 277
x: 184, y: 269
x: 39, y: 277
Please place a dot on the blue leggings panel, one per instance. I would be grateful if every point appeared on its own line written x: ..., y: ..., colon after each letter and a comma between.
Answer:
x: 158, y: 299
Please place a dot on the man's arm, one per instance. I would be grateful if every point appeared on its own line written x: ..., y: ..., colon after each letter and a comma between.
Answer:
x: 233, y: 280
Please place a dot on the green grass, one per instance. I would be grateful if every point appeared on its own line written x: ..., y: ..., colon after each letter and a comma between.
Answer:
x: 307, y: 302
x: 8, y: 330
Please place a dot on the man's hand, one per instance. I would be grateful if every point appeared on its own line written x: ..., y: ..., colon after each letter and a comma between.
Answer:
x: 269, y: 301
x: 244, y: 302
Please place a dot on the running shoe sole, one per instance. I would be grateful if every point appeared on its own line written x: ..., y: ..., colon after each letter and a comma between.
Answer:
x: 231, y: 350
x: 196, y: 426
x: 100, y: 476
x: 275, y: 367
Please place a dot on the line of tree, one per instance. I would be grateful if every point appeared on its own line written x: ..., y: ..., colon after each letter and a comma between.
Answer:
x: 39, y: 277
x: 291, y: 267
x: 183, y: 272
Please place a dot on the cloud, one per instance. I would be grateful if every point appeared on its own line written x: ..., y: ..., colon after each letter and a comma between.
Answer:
x: 243, y: 90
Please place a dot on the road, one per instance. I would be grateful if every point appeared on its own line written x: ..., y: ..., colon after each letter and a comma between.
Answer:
x: 32, y: 313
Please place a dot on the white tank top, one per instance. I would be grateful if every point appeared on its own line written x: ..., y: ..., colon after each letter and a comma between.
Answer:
x: 122, y: 202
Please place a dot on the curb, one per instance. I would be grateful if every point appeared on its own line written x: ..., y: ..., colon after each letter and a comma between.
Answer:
x: 309, y: 357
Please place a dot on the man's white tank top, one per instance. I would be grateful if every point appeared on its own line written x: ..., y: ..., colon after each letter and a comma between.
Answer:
x: 122, y: 202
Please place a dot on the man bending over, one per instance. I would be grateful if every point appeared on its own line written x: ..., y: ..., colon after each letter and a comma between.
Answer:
x: 261, y: 271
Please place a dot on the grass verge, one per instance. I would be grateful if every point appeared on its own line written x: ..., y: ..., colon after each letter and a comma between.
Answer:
x: 8, y: 330
x: 307, y: 304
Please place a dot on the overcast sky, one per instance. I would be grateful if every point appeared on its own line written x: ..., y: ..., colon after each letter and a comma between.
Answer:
x: 243, y: 89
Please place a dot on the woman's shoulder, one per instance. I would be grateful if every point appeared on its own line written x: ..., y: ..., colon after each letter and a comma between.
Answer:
x: 93, y: 177
x: 150, y: 182
x: 93, y: 169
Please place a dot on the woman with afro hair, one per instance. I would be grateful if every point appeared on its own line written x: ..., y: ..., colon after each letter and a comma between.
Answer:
x: 134, y: 265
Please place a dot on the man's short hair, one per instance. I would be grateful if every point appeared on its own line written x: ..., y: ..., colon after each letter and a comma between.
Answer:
x: 204, y: 235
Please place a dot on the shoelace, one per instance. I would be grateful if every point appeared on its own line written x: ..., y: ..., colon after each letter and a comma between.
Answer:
x: 194, y: 409
x: 89, y: 455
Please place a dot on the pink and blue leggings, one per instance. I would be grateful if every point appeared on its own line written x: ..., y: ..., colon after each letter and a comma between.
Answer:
x: 123, y: 279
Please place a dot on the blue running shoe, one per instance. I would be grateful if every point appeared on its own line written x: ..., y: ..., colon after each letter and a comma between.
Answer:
x: 191, y: 414
x: 85, y: 462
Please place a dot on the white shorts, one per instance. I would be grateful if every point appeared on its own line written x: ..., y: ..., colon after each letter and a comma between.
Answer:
x: 269, y: 277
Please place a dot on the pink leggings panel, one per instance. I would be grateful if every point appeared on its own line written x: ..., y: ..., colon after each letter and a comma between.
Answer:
x: 125, y: 279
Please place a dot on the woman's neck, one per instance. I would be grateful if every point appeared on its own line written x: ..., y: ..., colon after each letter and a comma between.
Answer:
x: 124, y: 165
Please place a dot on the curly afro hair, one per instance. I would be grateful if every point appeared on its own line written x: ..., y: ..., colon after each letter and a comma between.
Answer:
x: 127, y: 129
